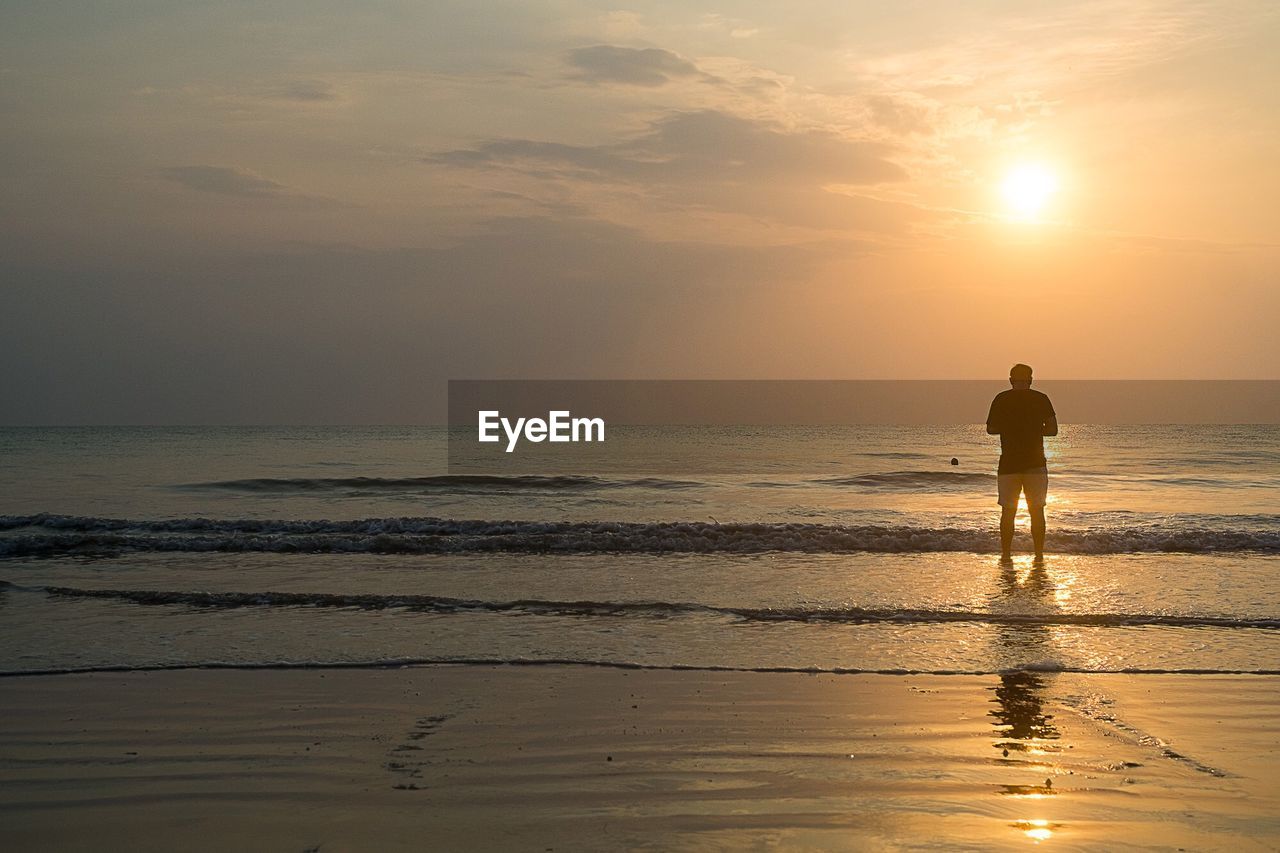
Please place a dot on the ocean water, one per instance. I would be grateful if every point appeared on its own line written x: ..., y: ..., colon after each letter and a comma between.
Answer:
x: 856, y: 548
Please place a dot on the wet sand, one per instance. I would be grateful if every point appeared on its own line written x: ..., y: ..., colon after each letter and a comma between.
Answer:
x: 581, y: 758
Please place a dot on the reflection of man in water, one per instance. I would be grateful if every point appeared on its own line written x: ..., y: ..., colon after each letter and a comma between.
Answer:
x: 1025, y: 733
x: 1022, y: 417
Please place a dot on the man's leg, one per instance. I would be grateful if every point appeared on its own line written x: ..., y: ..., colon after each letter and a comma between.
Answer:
x: 1037, y: 491
x: 1037, y: 528
x: 1008, y: 514
x: 1008, y: 488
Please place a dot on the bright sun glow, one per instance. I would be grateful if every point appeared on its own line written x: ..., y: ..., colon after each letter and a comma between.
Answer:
x: 1027, y: 190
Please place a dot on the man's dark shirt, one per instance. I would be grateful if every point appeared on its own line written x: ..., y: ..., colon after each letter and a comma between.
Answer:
x: 1019, y: 415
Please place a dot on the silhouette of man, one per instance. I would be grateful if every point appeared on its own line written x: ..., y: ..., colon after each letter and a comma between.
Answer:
x: 1022, y: 417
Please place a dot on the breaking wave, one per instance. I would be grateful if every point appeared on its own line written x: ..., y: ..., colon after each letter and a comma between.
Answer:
x: 912, y: 480
x: 51, y: 535
x: 652, y: 609
x: 438, y: 483
x: 402, y: 662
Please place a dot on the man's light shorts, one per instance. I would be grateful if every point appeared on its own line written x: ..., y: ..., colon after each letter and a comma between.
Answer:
x: 1034, y: 482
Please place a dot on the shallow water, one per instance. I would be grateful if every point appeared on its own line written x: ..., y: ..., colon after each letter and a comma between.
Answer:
x: 858, y: 548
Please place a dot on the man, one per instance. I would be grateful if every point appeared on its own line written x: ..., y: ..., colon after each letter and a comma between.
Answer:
x: 1022, y: 417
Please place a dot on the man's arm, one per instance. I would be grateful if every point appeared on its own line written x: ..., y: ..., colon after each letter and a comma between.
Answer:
x: 993, y: 426
x: 1049, y: 426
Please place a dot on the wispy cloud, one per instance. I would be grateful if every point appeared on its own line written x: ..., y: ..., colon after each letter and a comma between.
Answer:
x: 644, y: 66
x: 704, y: 146
x: 712, y: 161
x: 302, y: 90
x: 1079, y: 43
x: 240, y: 183
x: 226, y: 180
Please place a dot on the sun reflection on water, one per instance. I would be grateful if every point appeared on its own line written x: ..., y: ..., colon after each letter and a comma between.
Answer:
x: 1038, y: 830
x: 1026, y: 734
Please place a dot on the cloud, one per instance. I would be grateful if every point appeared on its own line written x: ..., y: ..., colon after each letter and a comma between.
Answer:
x: 226, y: 180
x: 692, y: 163
x: 242, y: 183
x: 1068, y: 47
x: 733, y: 27
x: 647, y: 66
x: 303, y: 90
x: 621, y: 24
x: 900, y: 114
x: 704, y: 146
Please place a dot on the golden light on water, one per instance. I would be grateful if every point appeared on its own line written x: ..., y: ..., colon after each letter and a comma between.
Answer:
x: 1038, y: 830
x: 1027, y: 189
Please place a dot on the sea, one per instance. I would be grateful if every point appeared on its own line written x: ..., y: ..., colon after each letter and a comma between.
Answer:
x: 857, y: 548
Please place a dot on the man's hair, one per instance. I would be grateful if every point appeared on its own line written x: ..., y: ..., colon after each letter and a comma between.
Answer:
x: 1020, y: 372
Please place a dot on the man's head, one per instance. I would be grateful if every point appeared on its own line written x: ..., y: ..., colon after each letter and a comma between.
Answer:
x: 1020, y: 376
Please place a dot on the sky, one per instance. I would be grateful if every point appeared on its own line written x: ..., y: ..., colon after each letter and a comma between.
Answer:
x: 320, y: 212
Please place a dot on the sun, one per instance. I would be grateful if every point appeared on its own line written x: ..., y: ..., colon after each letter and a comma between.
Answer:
x: 1027, y: 189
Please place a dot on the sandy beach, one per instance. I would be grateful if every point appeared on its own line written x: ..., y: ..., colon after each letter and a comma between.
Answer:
x: 585, y: 758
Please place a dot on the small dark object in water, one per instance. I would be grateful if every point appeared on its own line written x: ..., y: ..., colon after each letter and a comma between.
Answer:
x: 955, y: 461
